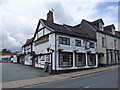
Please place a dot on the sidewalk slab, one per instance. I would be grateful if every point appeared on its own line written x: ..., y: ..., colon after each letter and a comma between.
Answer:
x: 85, y: 72
x: 21, y: 83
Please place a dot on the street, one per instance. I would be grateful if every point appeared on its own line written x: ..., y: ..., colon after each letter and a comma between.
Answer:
x: 13, y: 72
x: 105, y: 79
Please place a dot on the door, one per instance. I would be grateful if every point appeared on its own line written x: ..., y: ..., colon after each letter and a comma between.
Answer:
x: 48, y: 64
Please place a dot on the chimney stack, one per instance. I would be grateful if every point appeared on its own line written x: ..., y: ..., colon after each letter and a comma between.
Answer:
x: 50, y: 16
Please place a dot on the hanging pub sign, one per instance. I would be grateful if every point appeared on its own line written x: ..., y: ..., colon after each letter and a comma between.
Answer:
x: 42, y: 40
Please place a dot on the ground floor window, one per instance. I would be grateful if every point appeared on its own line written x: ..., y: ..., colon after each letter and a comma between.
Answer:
x: 111, y: 53
x: 112, y: 57
x: 118, y: 56
x: 48, y: 58
x: 37, y: 59
x: 80, y: 59
x: 91, y: 59
x: 65, y: 59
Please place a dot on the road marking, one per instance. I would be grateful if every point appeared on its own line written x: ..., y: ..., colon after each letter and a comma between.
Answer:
x: 87, y: 87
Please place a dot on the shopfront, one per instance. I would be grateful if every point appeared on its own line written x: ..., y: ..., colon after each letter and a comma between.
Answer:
x: 42, y: 59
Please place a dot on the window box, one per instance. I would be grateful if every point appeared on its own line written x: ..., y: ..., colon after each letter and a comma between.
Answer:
x: 60, y: 49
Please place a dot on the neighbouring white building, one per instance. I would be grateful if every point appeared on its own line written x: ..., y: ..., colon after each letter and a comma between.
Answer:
x: 26, y: 56
x: 108, y: 43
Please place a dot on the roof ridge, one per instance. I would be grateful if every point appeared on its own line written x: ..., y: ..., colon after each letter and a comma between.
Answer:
x: 67, y: 27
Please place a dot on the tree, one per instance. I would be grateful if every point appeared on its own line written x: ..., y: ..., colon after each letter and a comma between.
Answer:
x: 5, y: 51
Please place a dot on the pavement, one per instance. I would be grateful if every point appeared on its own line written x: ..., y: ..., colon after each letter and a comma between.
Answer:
x: 47, y: 79
x: 13, y: 72
x: 105, y: 79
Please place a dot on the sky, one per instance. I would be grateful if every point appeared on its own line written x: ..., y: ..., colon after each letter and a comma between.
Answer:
x: 19, y: 18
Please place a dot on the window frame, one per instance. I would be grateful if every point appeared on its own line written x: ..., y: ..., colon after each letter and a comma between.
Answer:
x: 103, y: 42
x: 64, y: 40
x: 83, y: 62
x: 90, y: 61
x: 115, y: 43
x: 78, y: 43
x: 92, y: 44
x: 69, y: 63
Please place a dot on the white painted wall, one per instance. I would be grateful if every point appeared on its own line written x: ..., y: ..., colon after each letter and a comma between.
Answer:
x: 42, y: 32
x: 14, y: 59
x: 102, y: 60
x: 42, y: 48
x: 27, y: 48
x: 118, y: 44
x: 109, y: 40
x: 41, y: 62
x: 28, y: 60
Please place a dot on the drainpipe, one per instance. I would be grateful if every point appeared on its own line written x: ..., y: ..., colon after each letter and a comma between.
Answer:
x: 55, y: 51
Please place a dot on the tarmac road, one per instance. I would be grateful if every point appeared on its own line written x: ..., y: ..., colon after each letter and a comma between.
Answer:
x: 105, y: 79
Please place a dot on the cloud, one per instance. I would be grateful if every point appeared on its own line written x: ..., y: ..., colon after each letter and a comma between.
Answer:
x: 18, y: 22
x: 19, y: 18
x: 112, y: 8
x: 8, y: 41
x: 60, y: 14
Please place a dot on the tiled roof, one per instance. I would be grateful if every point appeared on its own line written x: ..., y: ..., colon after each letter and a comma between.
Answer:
x: 97, y: 29
x: 117, y: 33
x: 28, y: 41
x: 69, y: 30
x: 109, y: 28
x: 97, y: 21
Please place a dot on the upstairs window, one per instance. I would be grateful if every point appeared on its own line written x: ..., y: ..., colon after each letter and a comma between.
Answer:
x: 103, y: 42
x: 60, y: 40
x: 92, y: 45
x: 78, y: 43
x: 115, y: 42
x: 101, y: 28
x: 63, y: 40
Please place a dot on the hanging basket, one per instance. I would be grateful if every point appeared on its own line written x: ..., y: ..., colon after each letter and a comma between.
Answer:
x: 60, y: 49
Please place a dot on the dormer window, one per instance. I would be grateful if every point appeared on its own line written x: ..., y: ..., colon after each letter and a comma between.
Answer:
x: 110, y: 29
x: 113, y: 29
x: 101, y: 26
x: 98, y: 24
